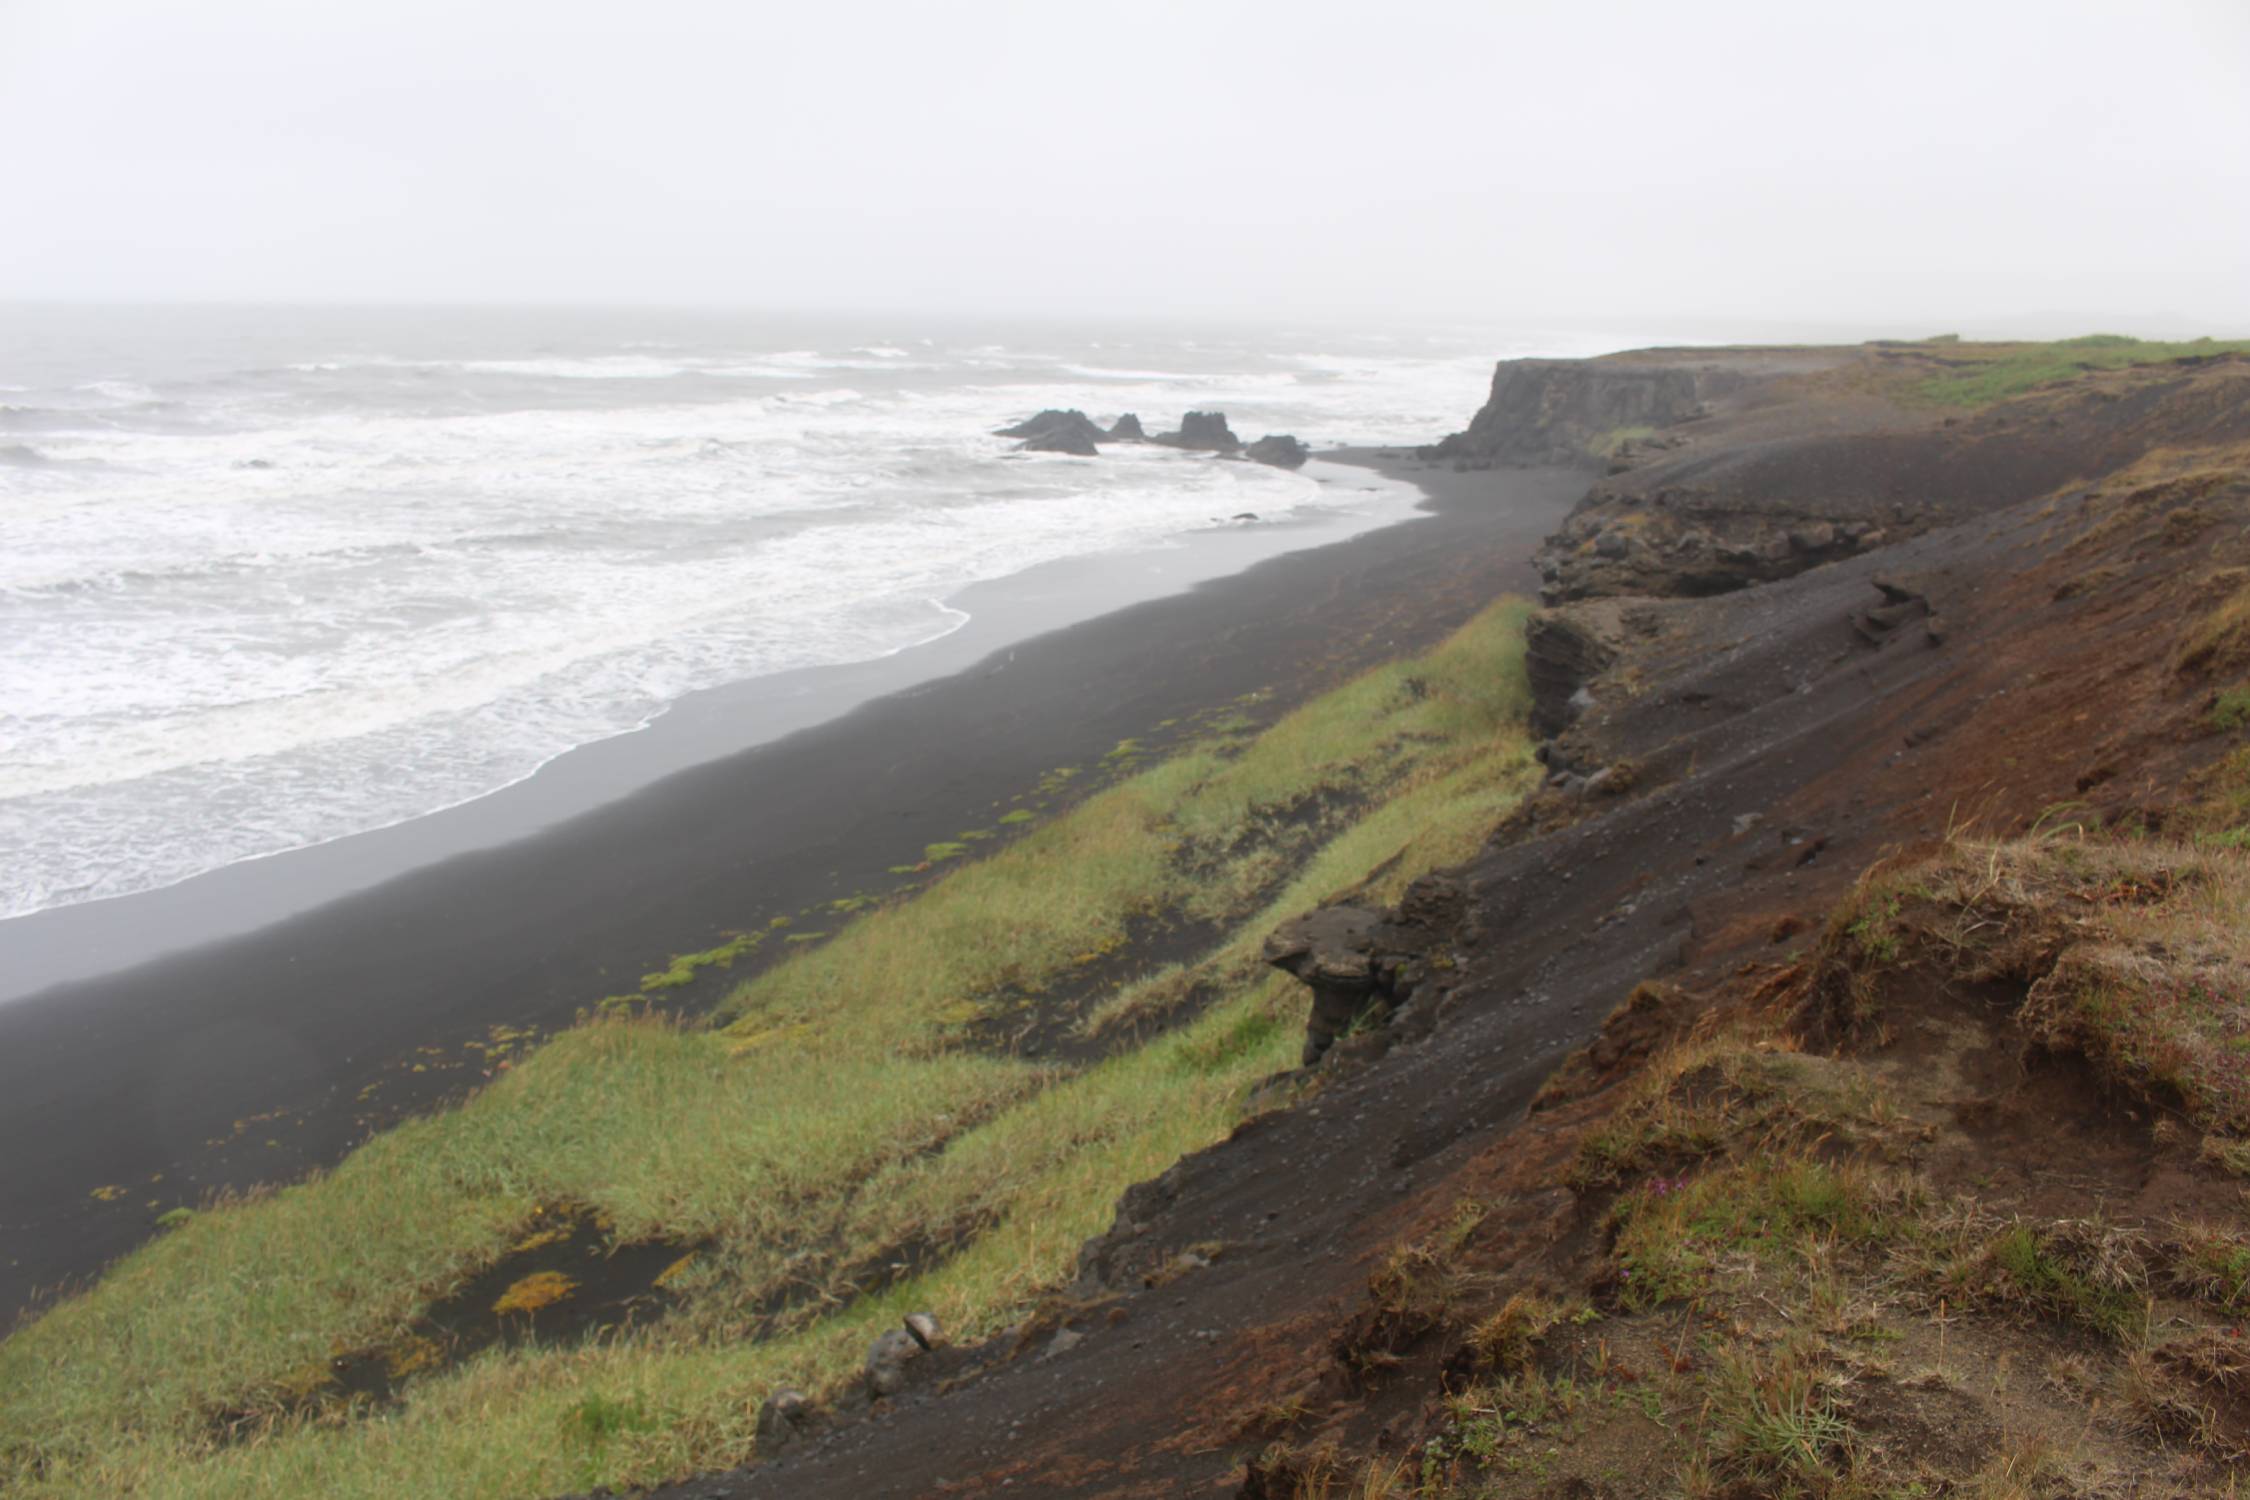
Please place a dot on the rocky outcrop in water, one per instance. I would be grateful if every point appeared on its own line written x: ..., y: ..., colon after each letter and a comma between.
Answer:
x: 1204, y: 431
x: 1127, y: 429
x: 1278, y: 449
x: 1073, y: 431
x: 1060, y: 439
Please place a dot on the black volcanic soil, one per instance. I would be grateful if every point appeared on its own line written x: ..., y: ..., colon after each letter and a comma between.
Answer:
x: 1765, y: 746
x: 257, y: 1059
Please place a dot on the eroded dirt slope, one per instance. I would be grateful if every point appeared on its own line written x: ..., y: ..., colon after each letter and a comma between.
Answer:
x: 2029, y: 632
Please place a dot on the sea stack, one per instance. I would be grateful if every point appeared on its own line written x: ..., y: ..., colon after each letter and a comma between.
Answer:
x: 1054, y: 431
x: 1281, y: 450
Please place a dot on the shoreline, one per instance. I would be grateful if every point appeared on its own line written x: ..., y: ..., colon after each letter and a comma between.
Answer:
x: 87, y: 940
x: 260, y: 1056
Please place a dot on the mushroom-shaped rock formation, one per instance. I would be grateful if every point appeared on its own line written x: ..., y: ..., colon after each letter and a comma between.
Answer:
x: 1364, y: 966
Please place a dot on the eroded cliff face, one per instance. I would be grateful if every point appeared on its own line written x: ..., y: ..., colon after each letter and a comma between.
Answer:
x: 1572, y: 411
x: 1736, y: 500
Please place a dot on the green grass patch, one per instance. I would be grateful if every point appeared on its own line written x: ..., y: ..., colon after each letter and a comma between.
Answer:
x: 2232, y: 710
x: 1675, y: 1237
x: 1606, y: 444
x: 684, y: 967
x: 2084, y: 1281
x: 1979, y: 374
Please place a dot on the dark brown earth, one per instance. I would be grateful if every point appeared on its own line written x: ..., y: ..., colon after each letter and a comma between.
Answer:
x: 255, y: 1060
x: 2008, y: 643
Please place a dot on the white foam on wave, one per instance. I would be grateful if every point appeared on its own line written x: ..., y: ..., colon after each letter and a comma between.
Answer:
x: 305, y: 621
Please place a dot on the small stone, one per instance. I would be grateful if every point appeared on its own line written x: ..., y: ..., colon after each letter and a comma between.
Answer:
x: 1065, y: 1340
x: 887, y: 1360
x: 781, y: 1418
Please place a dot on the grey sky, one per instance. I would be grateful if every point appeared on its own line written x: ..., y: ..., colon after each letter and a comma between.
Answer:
x: 1969, y: 163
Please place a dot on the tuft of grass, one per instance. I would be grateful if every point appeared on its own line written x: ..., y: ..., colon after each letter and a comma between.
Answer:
x: 1775, y: 1422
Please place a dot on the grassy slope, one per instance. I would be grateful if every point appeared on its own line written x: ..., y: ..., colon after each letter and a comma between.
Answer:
x: 842, y: 1113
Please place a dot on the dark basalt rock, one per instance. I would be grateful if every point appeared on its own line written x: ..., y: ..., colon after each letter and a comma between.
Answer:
x: 1365, y: 966
x: 1060, y: 440
x: 1051, y: 422
x: 1279, y: 449
x: 1127, y: 429
x: 1204, y: 431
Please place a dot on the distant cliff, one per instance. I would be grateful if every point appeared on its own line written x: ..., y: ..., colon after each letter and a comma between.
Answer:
x: 1569, y: 410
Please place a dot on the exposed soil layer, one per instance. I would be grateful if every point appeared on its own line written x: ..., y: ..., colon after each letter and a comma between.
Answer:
x: 1727, y: 764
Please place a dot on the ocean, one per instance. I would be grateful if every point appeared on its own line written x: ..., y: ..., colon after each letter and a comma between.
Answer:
x: 272, y: 577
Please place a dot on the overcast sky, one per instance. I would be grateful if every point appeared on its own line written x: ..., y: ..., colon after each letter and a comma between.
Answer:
x: 1970, y: 163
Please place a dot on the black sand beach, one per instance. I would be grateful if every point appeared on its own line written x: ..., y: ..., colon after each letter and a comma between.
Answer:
x: 259, y: 1057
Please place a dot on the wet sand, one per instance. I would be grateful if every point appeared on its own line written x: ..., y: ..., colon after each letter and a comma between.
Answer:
x: 365, y: 980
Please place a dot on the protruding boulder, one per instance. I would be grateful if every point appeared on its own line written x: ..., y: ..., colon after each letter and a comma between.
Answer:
x: 1204, y: 431
x: 1051, y: 422
x: 1127, y: 429
x: 1279, y: 449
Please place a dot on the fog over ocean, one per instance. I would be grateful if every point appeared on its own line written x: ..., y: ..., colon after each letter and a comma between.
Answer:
x: 271, y: 578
